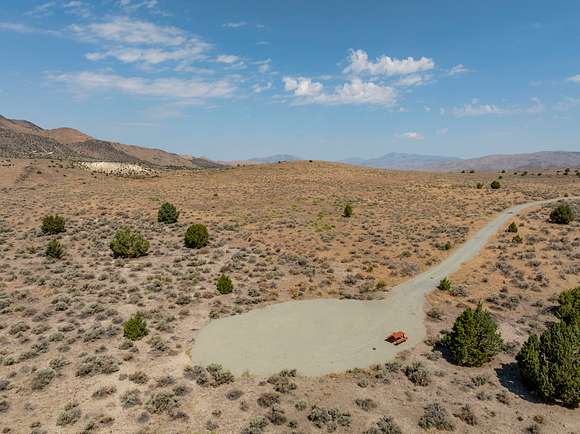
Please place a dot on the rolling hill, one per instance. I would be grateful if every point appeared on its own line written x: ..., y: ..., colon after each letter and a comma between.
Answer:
x: 24, y: 139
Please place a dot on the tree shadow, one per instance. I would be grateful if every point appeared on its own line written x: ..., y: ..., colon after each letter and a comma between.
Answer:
x: 444, y: 350
x: 509, y: 377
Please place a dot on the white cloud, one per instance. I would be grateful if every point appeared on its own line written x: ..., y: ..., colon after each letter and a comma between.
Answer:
x: 458, y: 69
x: 442, y: 131
x: 575, y: 78
x: 124, y: 30
x: 25, y: 29
x: 476, y: 109
x: 76, y: 7
x: 385, y: 65
x: 86, y: 82
x: 259, y: 88
x: 302, y: 86
x: 264, y: 66
x: 411, y: 135
x: 567, y: 103
x: 130, y: 5
x: 70, y: 7
x: 227, y: 58
x: 235, y: 25
x: 413, y: 80
x: 355, y: 92
x: 194, y: 50
x: 42, y: 9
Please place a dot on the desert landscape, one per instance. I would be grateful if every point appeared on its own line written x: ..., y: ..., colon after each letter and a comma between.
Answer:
x: 280, y: 234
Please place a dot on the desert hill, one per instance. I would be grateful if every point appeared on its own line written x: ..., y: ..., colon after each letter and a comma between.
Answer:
x: 24, y: 139
x: 433, y: 163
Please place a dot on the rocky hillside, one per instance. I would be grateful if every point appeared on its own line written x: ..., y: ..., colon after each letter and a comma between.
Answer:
x: 23, y: 139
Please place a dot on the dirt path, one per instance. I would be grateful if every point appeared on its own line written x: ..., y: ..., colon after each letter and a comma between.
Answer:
x: 319, y: 337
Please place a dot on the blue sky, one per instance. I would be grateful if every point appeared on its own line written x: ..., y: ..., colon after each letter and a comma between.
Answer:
x: 319, y: 79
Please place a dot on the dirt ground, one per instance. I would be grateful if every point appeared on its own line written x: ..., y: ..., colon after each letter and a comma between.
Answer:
x: 278, y: 232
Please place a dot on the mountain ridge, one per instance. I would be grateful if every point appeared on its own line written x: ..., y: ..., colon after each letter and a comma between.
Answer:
x: 24, y: 139
x: 493, y: 162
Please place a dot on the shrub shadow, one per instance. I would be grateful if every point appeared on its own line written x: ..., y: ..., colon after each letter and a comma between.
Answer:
x: 509, y: 377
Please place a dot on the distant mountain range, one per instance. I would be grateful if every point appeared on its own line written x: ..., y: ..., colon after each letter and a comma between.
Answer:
x: 530, y: 161
x: 399, y: 161
x: 24, y: 139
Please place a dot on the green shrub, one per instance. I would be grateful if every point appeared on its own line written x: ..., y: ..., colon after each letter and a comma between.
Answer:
x: 347, y: 210
x: 129, y: 244
x: 474, y: 339
x: 495, y: 185
x: 167, y: 213
x: 446, y: 246
x: 418, y: 374
x: 385, y: 425
x: 436, y: 416
x: 549, y: 364
x: 513, y: 228
x: 196, y: 236
x: 479, y: 185
x: 569, y: 309
x: 135, y: 328
x: 224, y: 284
x: 52, y: 224
x: 518, y: 239
x: 562, y: 214
x: 444, y: 284
x: 54, y: 249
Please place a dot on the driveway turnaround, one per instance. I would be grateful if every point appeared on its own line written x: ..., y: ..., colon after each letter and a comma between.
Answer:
x: 323, y: 336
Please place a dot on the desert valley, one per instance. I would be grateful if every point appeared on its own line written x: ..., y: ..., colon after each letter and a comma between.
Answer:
x: 276, y: 233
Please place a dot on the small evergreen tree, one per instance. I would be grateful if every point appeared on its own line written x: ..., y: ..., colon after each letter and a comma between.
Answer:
x: 54, y: 249
x: 224, y: 284
x: 444, y: 284
x: 495, y: 185
x: 569, y: 309
x: 196, y: 236
x: 513, y: 228
x: 347, y: 210
x: 474, y: 339
x: 562, y: 214
x: 167, y: 213
x: 129, y: 244
x: 135, y: 328
x: 549, y: 364
x: 52, y: 224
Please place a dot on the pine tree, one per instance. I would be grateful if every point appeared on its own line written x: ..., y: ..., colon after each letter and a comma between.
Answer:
x: 474, y: 339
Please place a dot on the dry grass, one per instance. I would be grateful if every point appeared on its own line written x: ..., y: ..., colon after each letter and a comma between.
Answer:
x: 278, y: 232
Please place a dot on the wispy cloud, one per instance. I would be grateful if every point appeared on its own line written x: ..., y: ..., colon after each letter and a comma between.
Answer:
x: 132, y: 5
x: 385, y: 65
x: 234, y: 25
x: 26, y: 29
x: 476, y: 109
x: 259, y: 88
x: 125, y: 30
x: 413, y: 80
x: 411, y: 135
x: 87, y: 82
x: 574, y: 78
x: 194, y: 50
x: 458, y: 70
x: 227, y: 59
x: 567, y: 103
